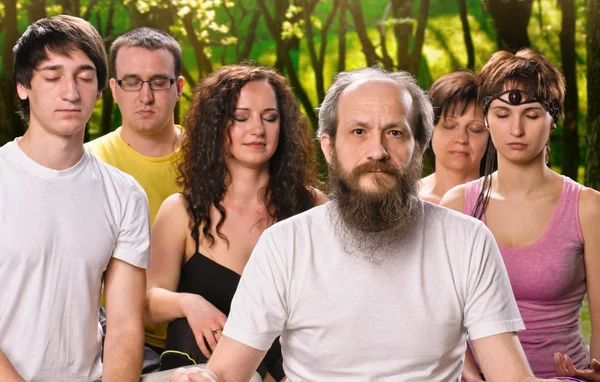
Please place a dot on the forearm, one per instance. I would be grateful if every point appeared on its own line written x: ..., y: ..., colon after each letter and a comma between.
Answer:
x: 470, y: 370
x: 595, y: 346
x: 7, y: 371
x: 123, y: 352
x: 164, y: 306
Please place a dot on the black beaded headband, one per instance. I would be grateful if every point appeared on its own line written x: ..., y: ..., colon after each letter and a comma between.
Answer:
x: 519, y: 97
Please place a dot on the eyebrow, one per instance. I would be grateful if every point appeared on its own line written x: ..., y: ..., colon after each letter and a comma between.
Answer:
x: 154, y: 76
x: 248, y: 109
x: 386, y: 126
x: 61, y: 67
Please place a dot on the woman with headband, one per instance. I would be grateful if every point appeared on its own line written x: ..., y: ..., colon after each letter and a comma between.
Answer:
x: 460, y: 140
x: 545, y: 224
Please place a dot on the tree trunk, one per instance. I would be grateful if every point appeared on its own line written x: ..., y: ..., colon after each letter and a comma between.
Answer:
x: 592, y: 172
x: 403, y: 10
x: 342, y: 37
x: 419, y: 39
x: 36, y: 10
x: 283, y: 49
x: 16, y: 126
x: 462, y: 7
x: 570, y: 164
x: 511, y: 18
x: 361, y: 30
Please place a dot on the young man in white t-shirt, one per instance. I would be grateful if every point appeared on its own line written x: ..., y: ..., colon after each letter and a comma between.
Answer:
x: 68, y: 222
x: 375, y: 285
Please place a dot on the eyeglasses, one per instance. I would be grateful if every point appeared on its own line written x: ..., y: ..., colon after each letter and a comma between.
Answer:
x: 135, y: 84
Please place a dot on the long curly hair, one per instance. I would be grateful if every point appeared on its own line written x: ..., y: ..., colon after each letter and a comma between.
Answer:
x: 202, y: 170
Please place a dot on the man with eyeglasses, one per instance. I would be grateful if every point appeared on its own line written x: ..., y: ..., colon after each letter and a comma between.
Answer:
x: 145, y: 64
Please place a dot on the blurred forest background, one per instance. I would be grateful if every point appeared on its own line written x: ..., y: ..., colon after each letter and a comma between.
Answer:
x: 310, y: 40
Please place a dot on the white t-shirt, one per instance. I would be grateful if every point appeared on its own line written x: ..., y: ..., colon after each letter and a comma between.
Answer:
x: 58, y: 232
x: 342, y: 318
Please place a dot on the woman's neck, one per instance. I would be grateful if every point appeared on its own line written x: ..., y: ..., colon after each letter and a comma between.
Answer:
x: 246, y: 186
x: 521, y: 180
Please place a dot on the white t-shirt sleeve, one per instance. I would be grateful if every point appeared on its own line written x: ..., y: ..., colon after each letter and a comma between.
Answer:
x: 259, y: 307
x: 133, y: 242
x: 490, y: 304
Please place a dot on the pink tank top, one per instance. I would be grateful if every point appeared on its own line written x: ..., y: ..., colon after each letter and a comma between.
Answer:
x: 548, y: 280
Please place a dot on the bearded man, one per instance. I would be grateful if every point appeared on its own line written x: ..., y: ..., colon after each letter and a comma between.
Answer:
x: 374, y: 285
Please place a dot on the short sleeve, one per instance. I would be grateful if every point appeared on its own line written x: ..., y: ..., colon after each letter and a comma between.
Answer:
x: 133, y: 242
x: 259, y: 307
x: 490, y: 306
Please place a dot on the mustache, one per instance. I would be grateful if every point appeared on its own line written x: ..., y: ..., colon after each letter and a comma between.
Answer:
x: 376, y: 165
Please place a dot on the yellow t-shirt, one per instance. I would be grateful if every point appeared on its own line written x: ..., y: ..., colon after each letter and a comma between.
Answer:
x: 156, y: 175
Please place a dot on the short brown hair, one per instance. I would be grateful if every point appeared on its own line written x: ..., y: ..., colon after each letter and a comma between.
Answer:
x: 147, y: 38
x: 62, y: 35
x: 452, y: 93
x: 529, y: 69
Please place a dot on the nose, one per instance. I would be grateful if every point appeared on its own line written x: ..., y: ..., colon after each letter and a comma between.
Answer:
x: 516, y: 128
x: 377, y: 149
x: 257, y: 126
x: 70, y: 91
x: 462, y: 136
x: 145, y: 93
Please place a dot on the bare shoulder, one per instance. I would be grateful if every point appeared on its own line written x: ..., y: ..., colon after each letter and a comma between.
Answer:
x: 589, y: 208
x: 455, y: 198
x: 173, y: 210
x: 319, y: 196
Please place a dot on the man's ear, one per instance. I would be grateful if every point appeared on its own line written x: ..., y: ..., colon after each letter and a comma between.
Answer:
x: 179, y: 83
x: 113, y: 88
x: 326, y: 146
x: 22, y: 92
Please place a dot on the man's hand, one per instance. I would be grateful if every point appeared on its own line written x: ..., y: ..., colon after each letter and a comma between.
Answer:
x: 563, y: 367
x: 194, y: 374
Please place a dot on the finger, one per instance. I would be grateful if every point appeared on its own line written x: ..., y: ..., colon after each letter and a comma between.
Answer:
x: 210, y: 339
x: 559, y: 367
x: 595, y: 364
x: 218, y: 335
x: 569, y: 366
x: 202, y: 346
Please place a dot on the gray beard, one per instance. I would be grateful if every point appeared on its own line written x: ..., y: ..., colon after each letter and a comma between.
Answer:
x: 372, y: 226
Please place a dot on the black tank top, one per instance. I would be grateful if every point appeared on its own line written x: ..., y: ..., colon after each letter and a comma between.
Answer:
x: 217, y: 284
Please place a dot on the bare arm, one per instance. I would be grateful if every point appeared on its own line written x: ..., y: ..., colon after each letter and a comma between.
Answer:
x: 589, y: 215
x: 7, y: 371
x: 167, y: 254
x: 125, y: 286
x: 501, y: 358
x: 231, y: 361
x: 470, y: 370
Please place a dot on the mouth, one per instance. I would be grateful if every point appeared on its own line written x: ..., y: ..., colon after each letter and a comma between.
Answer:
x: 145, y: 113
x: 68, y: 111
x: 459, y: 153
x: 517, y: 146
x: 255, y: 144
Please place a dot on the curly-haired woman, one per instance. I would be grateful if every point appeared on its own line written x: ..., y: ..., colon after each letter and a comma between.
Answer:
x: 247, y: 162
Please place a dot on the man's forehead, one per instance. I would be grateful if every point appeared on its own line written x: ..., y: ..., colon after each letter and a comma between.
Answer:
x: 381, y: 89
x: 74, y: 57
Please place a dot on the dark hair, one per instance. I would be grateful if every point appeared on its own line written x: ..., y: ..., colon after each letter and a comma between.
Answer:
x: 202, y: 170
x: 421, y: 105
x: 147, y: 38
x: 538, y: 77
x: 451, y: 95
x: 62, y: 35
